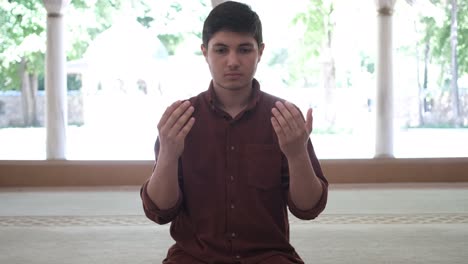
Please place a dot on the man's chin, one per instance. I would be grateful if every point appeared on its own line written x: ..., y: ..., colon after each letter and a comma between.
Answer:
x: 234, y: 86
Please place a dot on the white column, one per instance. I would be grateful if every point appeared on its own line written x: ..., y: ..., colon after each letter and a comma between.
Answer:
x: 384, y: 103
x: 56, y: 80
x: 216, y: 2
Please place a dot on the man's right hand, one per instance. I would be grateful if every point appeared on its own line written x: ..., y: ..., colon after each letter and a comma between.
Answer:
x: 176, y: 122
x: 173, y: 127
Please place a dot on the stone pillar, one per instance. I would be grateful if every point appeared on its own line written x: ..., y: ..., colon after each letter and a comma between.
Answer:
x: 384, y: 103
x: 56, y: 81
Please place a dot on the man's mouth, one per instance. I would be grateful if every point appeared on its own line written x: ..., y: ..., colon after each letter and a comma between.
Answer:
x: 233, y: 75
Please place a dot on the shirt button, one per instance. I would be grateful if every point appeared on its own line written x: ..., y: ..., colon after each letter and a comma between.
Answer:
x: 237, y: 257
x: 233, y: 235
x: 232, y: 147
x: 232, y: 206
x: 232, y: 178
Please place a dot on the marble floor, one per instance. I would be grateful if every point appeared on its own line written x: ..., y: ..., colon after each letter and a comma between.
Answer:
x: 363, y: 223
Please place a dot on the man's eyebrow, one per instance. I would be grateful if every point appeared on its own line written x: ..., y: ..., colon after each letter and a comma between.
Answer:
x: 220, y: 44
x: 247, y: 44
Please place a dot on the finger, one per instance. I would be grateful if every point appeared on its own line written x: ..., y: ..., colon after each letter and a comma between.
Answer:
x: 296, y: 116
x: 286, y: 114
x: 276, y: 126
x: 186, y: 129
x: 309, y: 121
x: 178, y: 125
x: 281, y: 121
x: 168, y: 112
x: 292, y: 116
x: 175, y: 115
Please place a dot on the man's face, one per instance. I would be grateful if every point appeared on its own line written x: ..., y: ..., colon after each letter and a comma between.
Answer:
x: 232, y: 58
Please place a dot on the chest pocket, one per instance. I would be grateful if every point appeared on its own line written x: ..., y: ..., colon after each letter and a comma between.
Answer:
x: 263, y: 166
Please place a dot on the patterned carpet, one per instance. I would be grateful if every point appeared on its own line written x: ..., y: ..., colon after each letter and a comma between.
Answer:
x: 425, y: 224
x: 139, y: 220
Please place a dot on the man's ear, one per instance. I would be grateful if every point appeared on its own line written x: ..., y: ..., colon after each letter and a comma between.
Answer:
x: 260, y: 51
x: 204, y: 50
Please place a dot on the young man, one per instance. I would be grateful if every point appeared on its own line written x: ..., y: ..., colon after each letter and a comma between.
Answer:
x: 232, y: 160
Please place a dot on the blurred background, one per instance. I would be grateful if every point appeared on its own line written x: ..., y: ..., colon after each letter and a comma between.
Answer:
x: 128, y: 60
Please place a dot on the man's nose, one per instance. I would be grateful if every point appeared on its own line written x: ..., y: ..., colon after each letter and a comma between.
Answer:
x: 233, y: 59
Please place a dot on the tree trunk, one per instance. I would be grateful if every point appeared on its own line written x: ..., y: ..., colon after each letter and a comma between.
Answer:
x: 25, y: 93
x: 29, y: 87
x: 34, y: 86
x: 424, y: 103
x: 426, y: 64
x: 454, y: 65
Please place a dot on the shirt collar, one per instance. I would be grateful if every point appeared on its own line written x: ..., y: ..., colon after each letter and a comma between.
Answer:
x: 212, y: 99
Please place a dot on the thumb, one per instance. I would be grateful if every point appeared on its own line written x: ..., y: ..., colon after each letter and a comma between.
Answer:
x: 309, y: 121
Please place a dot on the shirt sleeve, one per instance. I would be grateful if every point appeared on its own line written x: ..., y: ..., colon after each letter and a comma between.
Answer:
x: 321, y: 204
x: 311, y: 213
x: 150, y: 208
x: 154, y: 213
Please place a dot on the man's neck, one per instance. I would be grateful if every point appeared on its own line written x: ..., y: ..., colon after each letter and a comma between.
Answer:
x: 233, y: 101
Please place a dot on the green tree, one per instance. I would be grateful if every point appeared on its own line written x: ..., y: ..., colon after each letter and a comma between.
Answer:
x: 424, y: 26
x: 446, y: 43
x: 316, y: 44
x: 21, y: 50
x: 23, y: 35
x: 177, y: 21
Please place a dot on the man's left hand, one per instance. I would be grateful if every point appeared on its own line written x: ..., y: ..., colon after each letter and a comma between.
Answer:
x: 291, y: 129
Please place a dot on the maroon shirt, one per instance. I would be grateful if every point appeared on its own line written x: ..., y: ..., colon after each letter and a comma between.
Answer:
x: 234, y: 181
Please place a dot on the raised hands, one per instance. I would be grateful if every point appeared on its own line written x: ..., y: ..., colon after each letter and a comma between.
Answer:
x: 173, y: 127
x: 291, y: 129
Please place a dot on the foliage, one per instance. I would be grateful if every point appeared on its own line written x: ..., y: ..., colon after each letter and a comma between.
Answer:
x: 437, y: 33
x: 316, y: 22
x: 23, y: 32
x: 463, y: 36
x: 171, y: 41
x: 367, y: 63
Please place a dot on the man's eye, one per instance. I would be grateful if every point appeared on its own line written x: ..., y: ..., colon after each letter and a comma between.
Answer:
x: 220, y: 50
x: 245, y: 50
